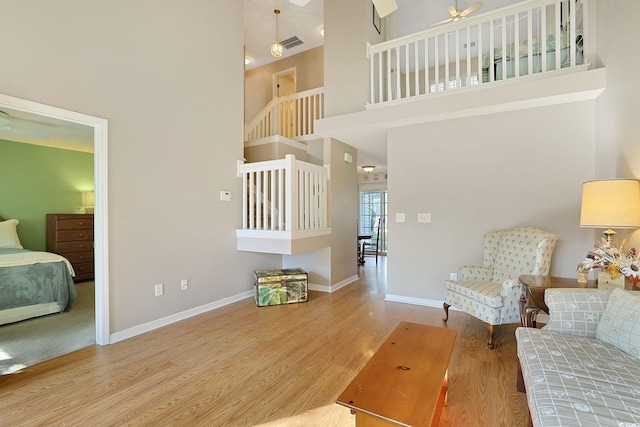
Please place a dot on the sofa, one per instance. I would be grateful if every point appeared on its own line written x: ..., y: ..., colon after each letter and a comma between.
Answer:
x: 583, y: 367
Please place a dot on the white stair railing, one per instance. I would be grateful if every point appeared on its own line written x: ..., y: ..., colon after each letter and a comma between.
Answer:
x: 290, y: 116
x: 535, y: 36
x: 283, y: 195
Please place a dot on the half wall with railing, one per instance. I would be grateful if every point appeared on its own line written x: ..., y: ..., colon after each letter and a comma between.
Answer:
x: 527, y: 38
x: 290, y: 116
x: 282, y: 200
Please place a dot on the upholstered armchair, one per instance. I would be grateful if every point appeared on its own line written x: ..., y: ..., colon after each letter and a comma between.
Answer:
x: 492, y: 292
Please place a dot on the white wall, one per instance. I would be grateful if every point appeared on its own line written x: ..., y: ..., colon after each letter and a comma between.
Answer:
x: 617, y: 124
x: 484, y: 173
x: 343, y: 208
x: 348, y: 26
x: 175, y: 132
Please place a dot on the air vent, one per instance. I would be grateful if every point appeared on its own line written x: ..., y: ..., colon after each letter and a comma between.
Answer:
x: 291, y: 42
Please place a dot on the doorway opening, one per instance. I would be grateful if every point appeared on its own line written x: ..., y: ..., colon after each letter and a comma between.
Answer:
x: 284, y: 83
x: 100, y: 161
x: 373, y: 211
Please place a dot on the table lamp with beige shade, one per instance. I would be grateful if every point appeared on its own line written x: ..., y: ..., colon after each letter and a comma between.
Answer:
x: 608, y: 204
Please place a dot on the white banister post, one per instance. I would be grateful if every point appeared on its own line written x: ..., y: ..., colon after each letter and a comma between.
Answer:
x: 291, y: 193
x: 275, y: 119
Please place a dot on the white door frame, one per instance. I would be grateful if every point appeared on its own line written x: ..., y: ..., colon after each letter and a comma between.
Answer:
x: 279, y: 74
x: 100, y: 158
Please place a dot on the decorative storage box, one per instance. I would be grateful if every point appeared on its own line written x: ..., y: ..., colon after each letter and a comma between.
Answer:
x: 274, y: 287
x: 606, y: 282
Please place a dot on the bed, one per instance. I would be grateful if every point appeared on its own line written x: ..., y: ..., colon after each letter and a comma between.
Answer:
x: 536, y: 57
x: 32, y: 283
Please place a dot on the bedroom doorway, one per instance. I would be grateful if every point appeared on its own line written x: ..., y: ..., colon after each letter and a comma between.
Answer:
x: 100, y: 162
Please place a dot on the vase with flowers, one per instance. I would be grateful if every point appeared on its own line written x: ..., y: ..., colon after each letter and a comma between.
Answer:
x: 614, y: 260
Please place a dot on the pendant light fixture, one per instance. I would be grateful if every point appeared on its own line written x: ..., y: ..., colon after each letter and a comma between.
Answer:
x: 276, y: 47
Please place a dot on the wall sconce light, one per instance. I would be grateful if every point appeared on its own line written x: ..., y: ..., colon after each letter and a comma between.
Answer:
x: 368, y: 168
x: 88, y: 201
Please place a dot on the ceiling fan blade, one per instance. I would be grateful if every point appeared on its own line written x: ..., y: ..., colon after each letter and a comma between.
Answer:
x: 472, y: 8
x: 25, y: 132
x: 385, y: 7
x: 444, y: 21
x: 452, y: 10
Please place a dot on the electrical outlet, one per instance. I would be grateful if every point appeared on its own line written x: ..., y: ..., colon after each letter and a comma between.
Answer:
x: 399, y: 217
x: 454, y: 276
x: 159, y: 289
x: 424, y: 217
x: 184, y: 284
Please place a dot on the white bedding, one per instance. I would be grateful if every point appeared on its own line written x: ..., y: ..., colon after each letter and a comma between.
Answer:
x: 27, y: 258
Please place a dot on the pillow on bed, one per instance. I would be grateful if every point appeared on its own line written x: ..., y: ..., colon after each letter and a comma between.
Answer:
x: 9, y: 235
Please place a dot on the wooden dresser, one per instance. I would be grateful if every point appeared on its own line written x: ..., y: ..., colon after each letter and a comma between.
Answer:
x: 71, y: 235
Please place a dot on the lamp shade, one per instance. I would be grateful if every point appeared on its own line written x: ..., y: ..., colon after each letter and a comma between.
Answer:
x: 88, y: 198
x: 611, y: 203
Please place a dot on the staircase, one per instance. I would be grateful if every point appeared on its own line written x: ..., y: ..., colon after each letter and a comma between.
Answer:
x: 285, y: 200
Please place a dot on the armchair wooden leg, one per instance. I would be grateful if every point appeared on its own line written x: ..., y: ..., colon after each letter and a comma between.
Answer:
x: 446, y: 311
x: 490, y: 332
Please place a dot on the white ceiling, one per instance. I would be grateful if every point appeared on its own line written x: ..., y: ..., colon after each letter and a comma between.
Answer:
x: 304, y: 22
x: 40, y: 130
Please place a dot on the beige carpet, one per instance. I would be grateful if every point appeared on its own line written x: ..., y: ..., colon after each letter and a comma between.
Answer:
x: 36, y: 340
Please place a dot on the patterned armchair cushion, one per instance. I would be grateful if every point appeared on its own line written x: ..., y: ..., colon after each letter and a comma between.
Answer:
x: 525, y: 250
x: 575, y: 311
x: 487, y: 293
x: 475, y: 274
x: 620, y: 323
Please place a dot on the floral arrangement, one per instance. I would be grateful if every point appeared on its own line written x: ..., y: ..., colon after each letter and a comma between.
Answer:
x: 617, y: 261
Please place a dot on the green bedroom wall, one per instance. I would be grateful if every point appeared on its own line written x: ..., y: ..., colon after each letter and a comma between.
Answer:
x: 38, y: 180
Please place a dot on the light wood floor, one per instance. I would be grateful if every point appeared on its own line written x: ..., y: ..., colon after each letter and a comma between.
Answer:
x: 270, y: 366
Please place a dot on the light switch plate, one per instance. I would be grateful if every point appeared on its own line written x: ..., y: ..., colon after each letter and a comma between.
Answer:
x: 225, y: 196
x: 399, y: 217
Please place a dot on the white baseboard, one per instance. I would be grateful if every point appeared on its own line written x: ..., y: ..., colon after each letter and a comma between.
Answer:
x: 155, y: 324
x: 416, y: 301
x: 332, y: 288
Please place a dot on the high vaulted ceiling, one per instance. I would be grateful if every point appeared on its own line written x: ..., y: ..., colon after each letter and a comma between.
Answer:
x: 303, y: 22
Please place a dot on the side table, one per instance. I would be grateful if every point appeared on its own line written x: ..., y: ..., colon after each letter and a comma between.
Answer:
x: 535, y: 286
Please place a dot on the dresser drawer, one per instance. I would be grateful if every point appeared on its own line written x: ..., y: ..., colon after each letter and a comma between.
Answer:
x: 72, y: 235
x: 83, y: 271
x: 65, y: 247
x: 74, y: 224
x: 79, y: 257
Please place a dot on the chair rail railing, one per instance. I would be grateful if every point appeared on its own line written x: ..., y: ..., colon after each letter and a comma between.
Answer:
x: 290, y: 116
x: 535, y: 36
x: 283, y: 195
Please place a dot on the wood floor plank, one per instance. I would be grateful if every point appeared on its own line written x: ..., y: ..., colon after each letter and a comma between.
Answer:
x: 243, y: 365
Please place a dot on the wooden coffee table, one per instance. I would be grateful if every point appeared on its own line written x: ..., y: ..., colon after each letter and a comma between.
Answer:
x: 535, y: 286
x: 405, y: 382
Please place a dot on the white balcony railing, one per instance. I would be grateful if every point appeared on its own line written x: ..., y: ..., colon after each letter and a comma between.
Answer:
x: 535, y: 36
x: 284, y: 195
x: 290, y: 116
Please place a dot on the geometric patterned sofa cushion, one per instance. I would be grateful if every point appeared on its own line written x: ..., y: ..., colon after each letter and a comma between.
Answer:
x: 620, y: 323
x: 575, y: 311
x: 578, y: 381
